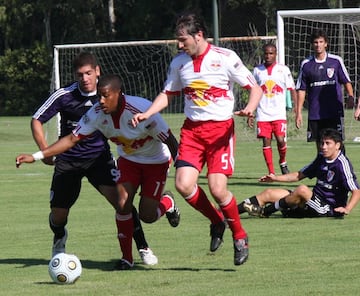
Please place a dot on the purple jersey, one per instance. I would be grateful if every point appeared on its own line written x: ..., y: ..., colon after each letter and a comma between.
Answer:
x: 323, y: 82
x: 334, y: 179
x: 71, y: 103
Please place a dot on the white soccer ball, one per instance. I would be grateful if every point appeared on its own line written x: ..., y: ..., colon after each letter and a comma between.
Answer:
x: 65, y: 268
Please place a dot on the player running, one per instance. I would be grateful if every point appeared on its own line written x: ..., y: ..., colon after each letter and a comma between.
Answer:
x: 144, y: 156
x: 206, y: 75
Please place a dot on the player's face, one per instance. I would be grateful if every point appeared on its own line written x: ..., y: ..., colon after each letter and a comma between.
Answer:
x: 188, y: 43
x: 109, y: 99
x: 87, y: 77
x: 269, y: 55
x: 319, y: 45
x: 329, y: 148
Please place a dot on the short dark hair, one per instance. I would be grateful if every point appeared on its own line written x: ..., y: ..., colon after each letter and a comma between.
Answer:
x: 333, y: 134
x: 269, y: 45
x: 318, y: 34
x: 112, y: 80
x: 85, y: 58
x: 191, y: 23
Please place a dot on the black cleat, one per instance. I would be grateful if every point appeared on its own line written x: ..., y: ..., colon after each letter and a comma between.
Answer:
x: 123, y: 264
x: 241, y: 251
x: 216, y: 233
x: 173, y: 215
x: 284, y: 168
x: 254, y: 210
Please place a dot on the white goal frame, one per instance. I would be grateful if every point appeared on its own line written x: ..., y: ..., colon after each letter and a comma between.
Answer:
x: 334, y: 16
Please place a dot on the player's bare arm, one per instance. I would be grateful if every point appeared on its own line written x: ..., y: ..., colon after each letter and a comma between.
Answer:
x: 291, y: 177
x: 355, y: 197
x: 58, y: 147
x: 172, y: 143
x: 299, y: 106
x: 40, y: 139
x: 160, y: 102
x: 254, y: 99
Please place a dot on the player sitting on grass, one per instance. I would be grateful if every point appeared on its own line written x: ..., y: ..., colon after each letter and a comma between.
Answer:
x: 335, y: 177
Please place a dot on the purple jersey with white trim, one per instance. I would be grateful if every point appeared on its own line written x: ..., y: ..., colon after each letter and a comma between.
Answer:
x: 72, y: 104
x: 334, y: 179
x: 323, y: 82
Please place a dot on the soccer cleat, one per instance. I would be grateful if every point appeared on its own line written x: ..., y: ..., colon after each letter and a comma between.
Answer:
x: 216, y: 233
x: 123, y: 264
x: 241, y: 251
x: 59, y: 244
x: 254, y: 210
x: 284, y: 168
x: 148, y: 257
x: 173, y: 214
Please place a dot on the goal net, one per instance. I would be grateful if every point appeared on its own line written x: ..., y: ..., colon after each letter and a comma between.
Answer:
x: 343, y: 29
x: 143, y: 66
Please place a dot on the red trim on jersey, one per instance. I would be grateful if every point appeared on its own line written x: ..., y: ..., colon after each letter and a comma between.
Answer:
x: 269, y: 68
x: 116, y: 116
x: 197, y: 60
x: 172, y: 93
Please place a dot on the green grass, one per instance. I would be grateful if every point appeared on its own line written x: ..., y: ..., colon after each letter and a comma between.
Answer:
x: 287, y: 256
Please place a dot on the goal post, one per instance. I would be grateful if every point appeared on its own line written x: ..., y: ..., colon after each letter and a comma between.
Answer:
x: 294, y: 28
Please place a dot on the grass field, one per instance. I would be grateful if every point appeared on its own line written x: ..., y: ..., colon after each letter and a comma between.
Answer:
x: 287, y: 256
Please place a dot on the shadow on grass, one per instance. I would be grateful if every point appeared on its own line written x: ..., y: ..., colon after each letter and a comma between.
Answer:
x: 102, y: 265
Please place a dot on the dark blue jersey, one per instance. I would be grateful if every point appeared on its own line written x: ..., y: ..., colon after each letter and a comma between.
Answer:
x: 323, y: 80
x: 334, y: 179
x: 72, y: 104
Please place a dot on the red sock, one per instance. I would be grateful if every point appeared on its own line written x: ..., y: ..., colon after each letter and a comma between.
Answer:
x: 165, y: 204
x: 267, y: 152
x: 282, y: 154
x: 125, y: 227
x: 200, y: 202
x: 233, y: 219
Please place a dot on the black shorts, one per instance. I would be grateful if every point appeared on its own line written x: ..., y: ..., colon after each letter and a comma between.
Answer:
x: 315, y: 126
x: 67, y: 177
x: 313, y: 208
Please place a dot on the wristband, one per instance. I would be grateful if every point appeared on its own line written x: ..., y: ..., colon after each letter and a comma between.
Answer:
x: 38, y: 155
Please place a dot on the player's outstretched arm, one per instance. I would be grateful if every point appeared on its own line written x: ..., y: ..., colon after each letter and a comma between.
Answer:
x: 172, y: 143
x: 290, y: 177
x: 254, y: 99
x: 58, y: 147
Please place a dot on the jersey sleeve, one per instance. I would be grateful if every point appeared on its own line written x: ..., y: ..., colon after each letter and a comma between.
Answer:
x: 50, y: 107
x: 239, y: 73
x: 87, y: 124
x: 289, y: 80
x: 172, y: 84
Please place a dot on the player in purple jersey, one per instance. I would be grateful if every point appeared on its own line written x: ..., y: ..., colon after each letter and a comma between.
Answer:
x: 90, y: 158
x: 321, y: 78
x: 335, y: 178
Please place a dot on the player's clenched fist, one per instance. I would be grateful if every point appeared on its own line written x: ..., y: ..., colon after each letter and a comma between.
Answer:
x: 27, y: 158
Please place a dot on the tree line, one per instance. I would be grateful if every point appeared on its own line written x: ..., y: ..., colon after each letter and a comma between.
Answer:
x: 29, y: 29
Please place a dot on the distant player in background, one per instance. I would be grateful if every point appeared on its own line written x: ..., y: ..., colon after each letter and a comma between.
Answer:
x: 144, y: 156
x: 206, y: 75
x: 321, y: 78
x: 91, y: 158
x: 275, y: 80
x: 335, y: 178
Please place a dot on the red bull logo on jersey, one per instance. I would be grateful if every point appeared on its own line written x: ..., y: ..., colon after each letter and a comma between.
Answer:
x: 129, y: 146
x: 271, y: 88
x: 202, y: 94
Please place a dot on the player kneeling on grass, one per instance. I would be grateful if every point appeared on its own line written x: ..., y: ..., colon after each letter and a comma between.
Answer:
x: 335, y: 178
x: 144, y: 156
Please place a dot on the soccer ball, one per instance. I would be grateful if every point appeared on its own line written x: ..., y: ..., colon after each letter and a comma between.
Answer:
x: 65, y: 268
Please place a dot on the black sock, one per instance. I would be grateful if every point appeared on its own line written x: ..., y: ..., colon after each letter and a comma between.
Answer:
x: 58, y: 230
x: 253, y: 200
x: 138, y: 235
